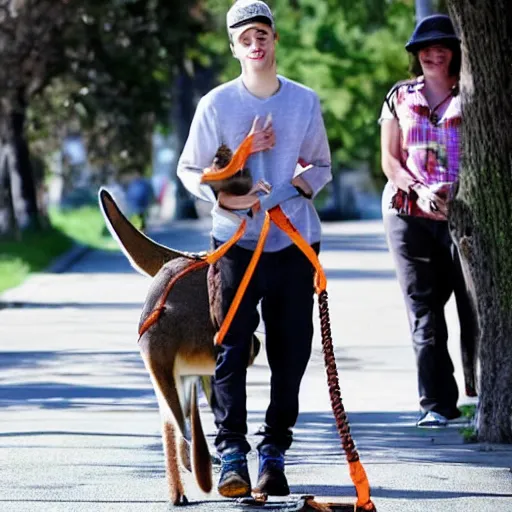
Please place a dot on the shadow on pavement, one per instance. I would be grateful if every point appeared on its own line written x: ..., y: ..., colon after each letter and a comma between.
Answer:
x: 76, y: 305
x: 404, y: 494
x: 74, y: 380
x: 382, y: 436
x: 359, y: 274
x: 362, y: 242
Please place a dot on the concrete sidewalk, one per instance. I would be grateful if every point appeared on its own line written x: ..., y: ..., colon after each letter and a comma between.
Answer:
x: 79, y: 425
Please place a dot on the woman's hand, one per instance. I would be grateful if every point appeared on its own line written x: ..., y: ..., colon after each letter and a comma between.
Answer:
x: 430, y: 202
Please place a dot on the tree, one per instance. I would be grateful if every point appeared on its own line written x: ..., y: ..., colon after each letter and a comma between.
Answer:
x: 122, y: 59
x: 112, y: 63
x: 481, y: 217
x: 30, y: 50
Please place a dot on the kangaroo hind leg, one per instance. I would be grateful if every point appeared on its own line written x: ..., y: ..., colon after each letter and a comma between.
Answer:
x: 173, y: 424
x: 174, y: 483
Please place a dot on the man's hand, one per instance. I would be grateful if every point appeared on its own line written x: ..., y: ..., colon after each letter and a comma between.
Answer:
x: 247, y: 201
x: 430, y: 203
x: 261, y: 186
x: 300, y: 183
x: 264, y: 137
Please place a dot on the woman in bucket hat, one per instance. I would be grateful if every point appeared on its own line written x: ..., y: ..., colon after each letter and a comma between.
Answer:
x: 420, y: 143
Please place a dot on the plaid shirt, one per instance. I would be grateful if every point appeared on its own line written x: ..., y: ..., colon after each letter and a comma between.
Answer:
x: 430, y: 145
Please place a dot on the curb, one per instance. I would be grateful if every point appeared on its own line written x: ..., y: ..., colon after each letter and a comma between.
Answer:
x: 58, y: 266
x: 62, y: 263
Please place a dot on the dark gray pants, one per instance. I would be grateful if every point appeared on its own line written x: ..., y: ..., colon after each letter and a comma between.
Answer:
x: 283, y: 281
x: 428, y: 270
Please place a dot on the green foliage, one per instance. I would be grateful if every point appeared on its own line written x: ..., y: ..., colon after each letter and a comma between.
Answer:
x: 468, y: 411
x: 114, y: 80
x: 84, y: 225
x: 469, y: 434
x: 37, y: 250
x: 33, y: 254
x: 119, y: 60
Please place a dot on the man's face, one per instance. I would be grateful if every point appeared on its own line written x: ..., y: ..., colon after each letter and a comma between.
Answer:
x: 254, y: 47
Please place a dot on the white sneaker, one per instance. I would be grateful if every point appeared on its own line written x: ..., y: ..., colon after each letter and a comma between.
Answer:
x: 432, y: 419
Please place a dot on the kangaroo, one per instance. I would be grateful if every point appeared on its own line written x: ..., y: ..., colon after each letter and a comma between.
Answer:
x: 178, y: 350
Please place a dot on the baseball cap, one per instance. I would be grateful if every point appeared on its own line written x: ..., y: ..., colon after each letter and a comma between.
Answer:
x: 246, y: 12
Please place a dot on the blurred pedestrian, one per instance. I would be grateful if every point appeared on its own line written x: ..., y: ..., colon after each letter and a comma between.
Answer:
x: 420, y: 141
x: 139, y: 194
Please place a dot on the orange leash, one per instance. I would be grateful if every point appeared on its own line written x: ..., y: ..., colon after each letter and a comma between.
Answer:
x: 244, y: 283
x: 157, y: 311
x: 236, y: 164
x: 276, y: 214
x: 283, y: 222
x: 356, y: 469
x: 218, y: 253
x: 209, y: 259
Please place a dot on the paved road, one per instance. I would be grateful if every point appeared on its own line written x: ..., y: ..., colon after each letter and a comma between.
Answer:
x: 79, y: 425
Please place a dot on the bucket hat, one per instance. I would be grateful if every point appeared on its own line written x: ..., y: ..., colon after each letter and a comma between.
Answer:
x: 437, y: 28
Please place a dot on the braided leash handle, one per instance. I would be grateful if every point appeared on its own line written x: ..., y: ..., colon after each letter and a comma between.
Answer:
x: 357, y: 472
x: 332, y: 380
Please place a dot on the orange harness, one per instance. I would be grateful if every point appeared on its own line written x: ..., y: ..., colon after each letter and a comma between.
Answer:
x: 280, y: 219
x: 276, y: 215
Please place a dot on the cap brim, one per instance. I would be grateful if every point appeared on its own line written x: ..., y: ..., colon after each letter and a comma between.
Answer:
x: 420, y: 43
x: 236, y: 31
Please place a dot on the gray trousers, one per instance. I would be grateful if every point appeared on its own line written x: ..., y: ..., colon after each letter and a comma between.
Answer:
x: 429, y: 271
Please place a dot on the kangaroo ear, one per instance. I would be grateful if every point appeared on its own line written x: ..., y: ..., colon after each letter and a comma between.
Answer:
x: 145, y: 255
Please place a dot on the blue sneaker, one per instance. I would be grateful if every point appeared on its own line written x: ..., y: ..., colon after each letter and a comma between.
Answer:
x: 234, y: 481
x: 271, y: 477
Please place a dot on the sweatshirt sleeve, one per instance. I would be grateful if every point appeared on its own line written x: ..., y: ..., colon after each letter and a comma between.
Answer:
x: 315, y: 150
x: 202, y: 143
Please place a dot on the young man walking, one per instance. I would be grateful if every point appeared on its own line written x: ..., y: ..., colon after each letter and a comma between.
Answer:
x: 286, y: 122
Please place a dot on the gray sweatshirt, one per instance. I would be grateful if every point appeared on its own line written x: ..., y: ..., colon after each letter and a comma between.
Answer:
x: 225, y: 116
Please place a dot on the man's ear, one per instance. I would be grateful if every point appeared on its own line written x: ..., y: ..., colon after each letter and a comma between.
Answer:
x: 231, y: 46
x: 276, y: 36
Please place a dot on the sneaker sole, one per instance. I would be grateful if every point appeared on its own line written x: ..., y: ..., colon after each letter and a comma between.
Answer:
x: 235, y: 490
x: 272, y: 492
x: 433, y: 425
x: 273, y: 487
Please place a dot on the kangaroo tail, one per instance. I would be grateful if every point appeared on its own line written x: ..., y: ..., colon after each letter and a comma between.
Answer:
x: 145, y: 255
x: 201, y: 460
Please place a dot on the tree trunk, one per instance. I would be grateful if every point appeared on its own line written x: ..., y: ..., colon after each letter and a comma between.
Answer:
x: 8, y: 224
x: 183, y: 112
x: 27, y: 210
x: 189, y: 86
x: 481, y: 214
x: 17, y: 183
